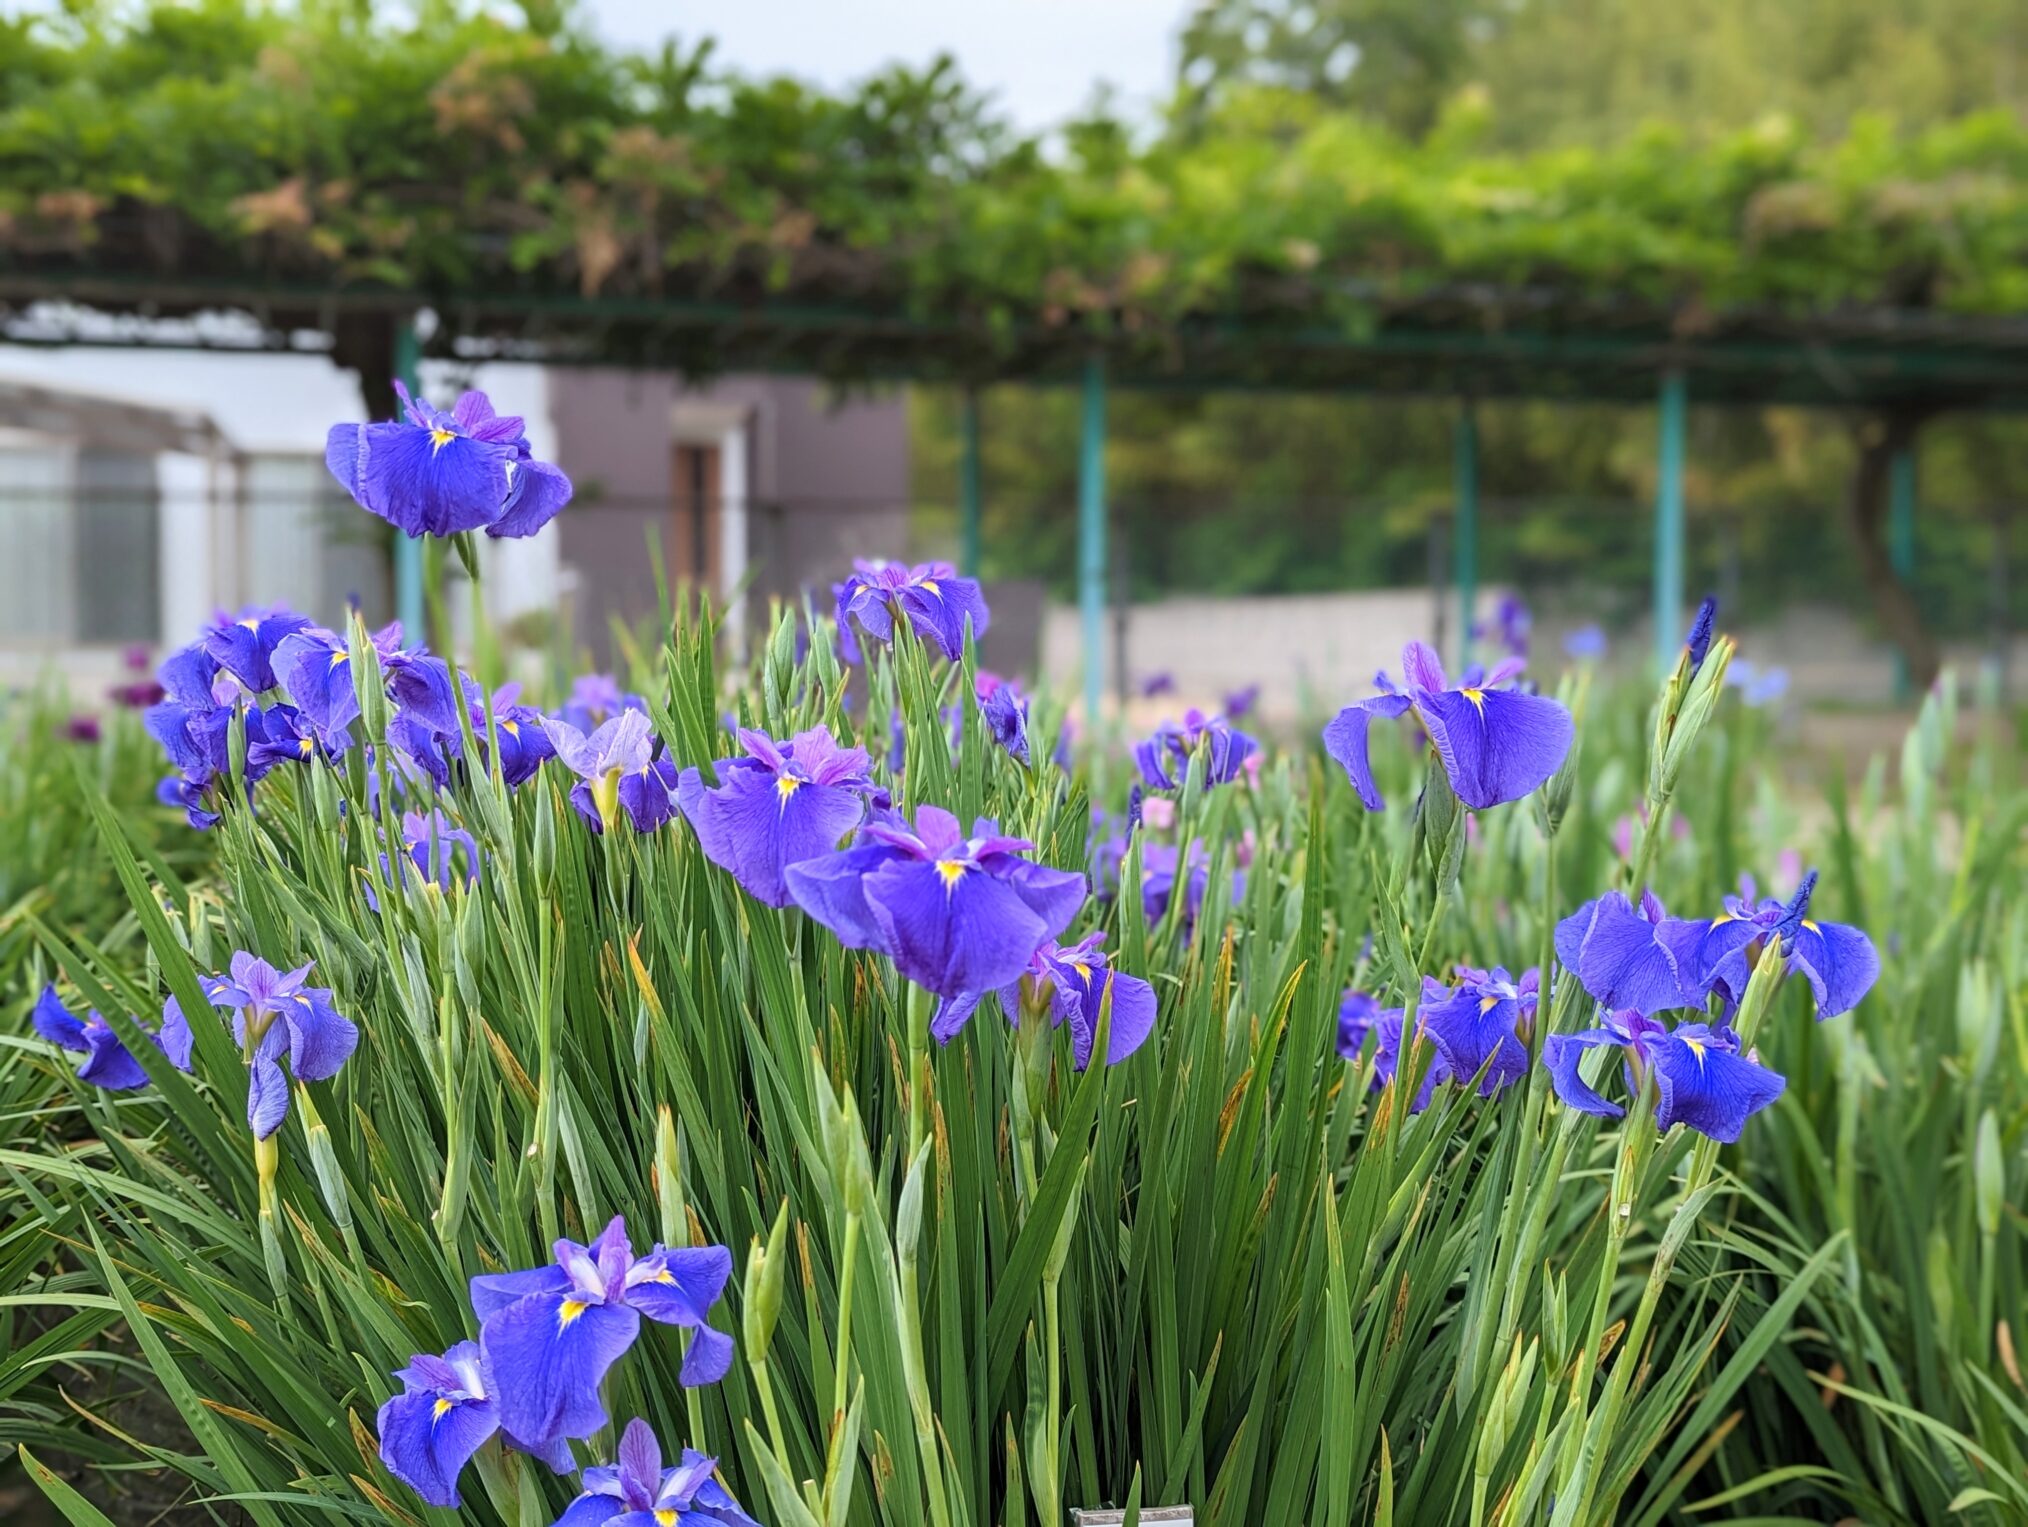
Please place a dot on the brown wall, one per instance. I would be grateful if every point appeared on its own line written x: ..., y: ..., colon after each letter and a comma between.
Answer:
x: 826, y: 481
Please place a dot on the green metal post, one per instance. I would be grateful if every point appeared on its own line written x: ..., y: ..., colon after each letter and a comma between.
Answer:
x: 1675, y: 403
x: 1901, y: 540
x: 408, y: 551
x: 1091, y: 536
x: 970, y: 497
x: 1465, y: 551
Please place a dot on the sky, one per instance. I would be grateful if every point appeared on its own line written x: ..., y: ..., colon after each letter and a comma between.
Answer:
x: 1041, y: 59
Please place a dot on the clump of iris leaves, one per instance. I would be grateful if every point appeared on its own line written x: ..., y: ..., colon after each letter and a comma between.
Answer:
x: 1226, y: 1271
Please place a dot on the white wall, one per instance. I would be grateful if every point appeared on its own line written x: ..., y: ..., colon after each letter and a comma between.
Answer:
x: 274, y: 405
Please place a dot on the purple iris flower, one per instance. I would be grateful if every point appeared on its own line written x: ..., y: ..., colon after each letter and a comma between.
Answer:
x: 189, y: 796
x: 616, y: 769
x: 957, y: 915
x: 1758, y: 687
x: 138, y: 695
x: 647, y: 797
x: 421, y: 686
x: 108, y: 1063
x: 1699, y: 640
x: 1585, y: 644
x: 442, y: 851
x: 1360, y: 1014
x: 524, y: 742
x: 1241, y: 702
x: 1511, y: 622
x: 444, y: 1414
x: 82, y: 728
x: 1006, y: 714
x: 438, y: 473
x: 422, y: 750
x: 1156, y: 684
x: 1632, y: 956
x: 245, y: 645
x: 930, y: 595
x: 1838, y: 960
x: 1164, y: 759
x: 595, y: 698
x: 639, y: 1492
x: 1160, y: 866
x: 1075, y: 982
x: 781, y: 804
x: 1486, y: 1019
x: 315, y: 667
x: 1496, y: 744
x: 280, y: 734
x: 549, y: 1334
x: 1701, y: 1079
x: 275, y: 1013
x: 190, y: 723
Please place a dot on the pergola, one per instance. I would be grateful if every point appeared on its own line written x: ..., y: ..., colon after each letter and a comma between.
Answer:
x: 1462, y: 343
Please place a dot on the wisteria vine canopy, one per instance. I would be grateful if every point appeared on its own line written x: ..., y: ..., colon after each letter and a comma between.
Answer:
x: 325, y: 169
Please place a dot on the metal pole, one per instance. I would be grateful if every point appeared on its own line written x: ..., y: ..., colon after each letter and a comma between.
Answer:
x: 970, y: 497
x: 408, y: 550
x: 1901, y: 541
x: 1465, y: 553
x: 1091, y: 536
x: 1669, y: 521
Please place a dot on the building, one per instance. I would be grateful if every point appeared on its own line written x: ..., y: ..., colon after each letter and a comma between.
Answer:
x: 141, y: 493
x: 762, y: 488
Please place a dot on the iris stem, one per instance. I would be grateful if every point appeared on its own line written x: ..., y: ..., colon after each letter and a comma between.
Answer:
x: 843, y: 1361
x: 918, y: 1068
x: 1658, y: 813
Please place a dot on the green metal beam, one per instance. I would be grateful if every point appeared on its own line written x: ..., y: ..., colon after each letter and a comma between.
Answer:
x: 1669, y: 521
x: 1091, y: 537
x: 408, y: 557
x: 970, y: 495
x: 1901, y: 540
x: 1983, y: 362
x: 1465, y: 548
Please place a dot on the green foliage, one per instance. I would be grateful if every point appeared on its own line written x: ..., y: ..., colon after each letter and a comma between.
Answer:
x: 1224, y: 1272
x: 451, y: 148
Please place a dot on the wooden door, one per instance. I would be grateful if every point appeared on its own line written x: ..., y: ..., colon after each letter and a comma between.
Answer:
x: 699, y: 515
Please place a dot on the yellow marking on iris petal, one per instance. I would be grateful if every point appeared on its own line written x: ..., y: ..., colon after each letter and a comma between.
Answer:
x: 1083, y: 971
x: 1477, y: 697
x: 1696, y: 1047
x: 929, y: 585
x: 338, y: 659
x: 511, y: 728
x: 786, y: 787
x: 664, y: 1517
x: 1722, y: 917
x: 1487, y: 1004
x: 442, y: 1408
x: 953, y: 870
x: 1811, y: 926
x: 439, y: 438
x: 252, y: 623
x: 303, y: 746
x: 567, y: 1315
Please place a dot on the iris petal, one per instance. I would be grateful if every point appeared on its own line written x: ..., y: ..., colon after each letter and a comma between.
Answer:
x: 1496, y: 744
x: 1345, y: 739
x: 1708, y: 1088
x: 1561, y: 1054
x: 549, y: 1353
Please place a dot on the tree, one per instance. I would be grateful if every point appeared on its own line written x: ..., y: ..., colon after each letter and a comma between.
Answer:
x: 1394, y: 60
